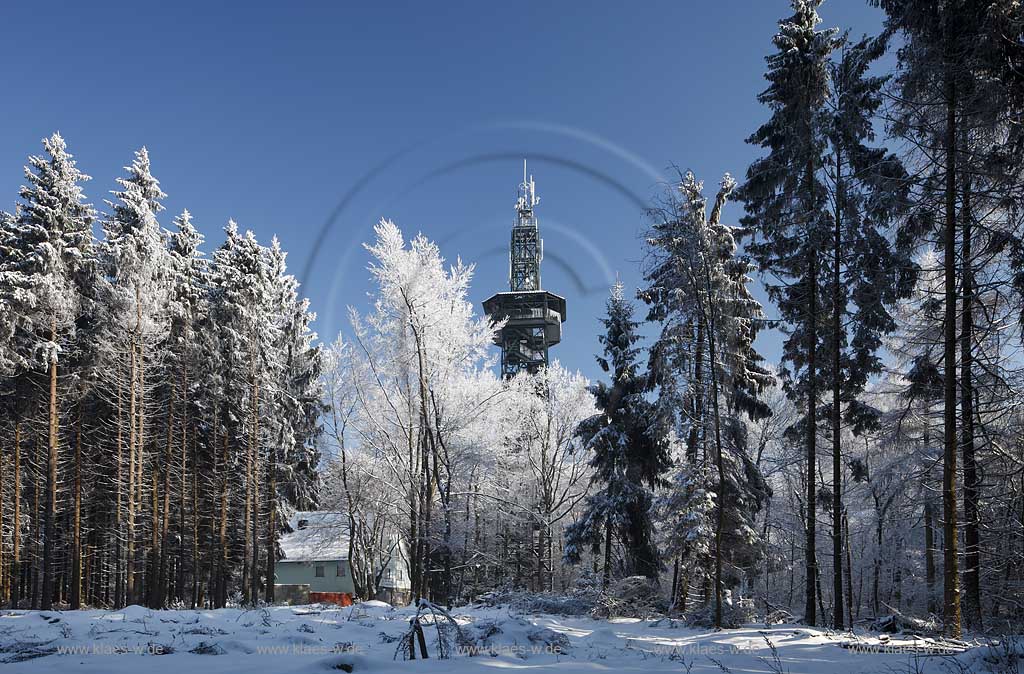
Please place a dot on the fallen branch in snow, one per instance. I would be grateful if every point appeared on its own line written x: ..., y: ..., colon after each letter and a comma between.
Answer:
x: 922, y: 646
x: 896, y: 622
x: 27, y: 650
x: 208, y: 648
x: 449, y: 634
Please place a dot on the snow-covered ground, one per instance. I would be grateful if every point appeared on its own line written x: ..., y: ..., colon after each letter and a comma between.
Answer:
x: 365, y: 638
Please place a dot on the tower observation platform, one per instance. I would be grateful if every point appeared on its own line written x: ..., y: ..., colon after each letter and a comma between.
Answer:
x: 534, y: 316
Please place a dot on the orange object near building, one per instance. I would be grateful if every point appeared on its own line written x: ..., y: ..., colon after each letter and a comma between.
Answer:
x: 338, y: 598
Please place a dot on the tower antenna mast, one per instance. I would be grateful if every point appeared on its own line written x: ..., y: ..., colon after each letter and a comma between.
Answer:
x: 533, y: 316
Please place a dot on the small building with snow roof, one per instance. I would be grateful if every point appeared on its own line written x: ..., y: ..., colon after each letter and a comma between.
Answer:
x: 315, y: 554
x: 315, y: 565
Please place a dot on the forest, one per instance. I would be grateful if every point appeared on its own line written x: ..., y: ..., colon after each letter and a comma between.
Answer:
x: 159, y: 406
x: 165, y: 407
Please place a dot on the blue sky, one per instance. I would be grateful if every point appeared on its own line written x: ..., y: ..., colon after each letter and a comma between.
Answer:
x: 313, y: 120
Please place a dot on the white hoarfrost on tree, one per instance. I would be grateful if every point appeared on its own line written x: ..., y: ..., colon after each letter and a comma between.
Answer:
x: 544, y: 411
x: 710, y: 380
x: 477, y: 476
x: 425, y: 394
x: 149, y: 400
x: 53, y: 263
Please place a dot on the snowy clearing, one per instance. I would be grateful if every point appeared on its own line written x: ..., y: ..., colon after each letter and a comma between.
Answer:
x: 366, y: 637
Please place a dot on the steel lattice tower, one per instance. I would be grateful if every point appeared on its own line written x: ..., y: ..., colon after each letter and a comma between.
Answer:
x: 534, y: 316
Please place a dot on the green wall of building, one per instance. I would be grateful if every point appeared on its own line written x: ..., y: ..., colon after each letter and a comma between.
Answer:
x: 299, y: 573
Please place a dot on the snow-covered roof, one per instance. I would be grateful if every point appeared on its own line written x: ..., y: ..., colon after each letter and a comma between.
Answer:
x: 316, y: 536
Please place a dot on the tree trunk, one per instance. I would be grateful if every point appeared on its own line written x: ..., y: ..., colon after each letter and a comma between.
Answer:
x: 811, y: 561
x: 37, y: 531
x: 271, y: 543
x: 153, y: 559
x: 76, y: 524
x: 849, y: 569
x: 684, y: 590
x: 838, y: 310
x: 16, y: 534
x: 118, y: 524
x: 160, y: 595
x: 766, y: 536
x: 897, y: 575
x: 951, y: 573
x: 4, y: 580
x: 222, y: 570
x: 719, y: 465
x: 879, y: 526
x: 194, y: 515
x: 425, y: 443
x: 132, y: 460
x: 695, y: 434
x: 247, y: 526
x: 50, y: 515
x: 254, y: 575
x: 426, y: 502
x: 972, y: 538
x: 414, y: 531
x: 140, y: 463
x: 929, y: 555
x: 675, y: 583
x: 607, y: 555
x: 179, y: 581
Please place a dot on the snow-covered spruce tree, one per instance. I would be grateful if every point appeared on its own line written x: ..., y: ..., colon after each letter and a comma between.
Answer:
x: 189, y: 290
x: 223, y: 340
x: 293, y: 425
x: 211, y: 452
x: 51, y: 241
x: 868, y: 190
x: 302, y: 404
x: 698, y: 293
x: 686, y: 513
x: 630, y: 455
x: 136, y: 318
x: 137, y: 415
x: 19, y: 389
x: 9, y: 366
x: 788, y: 225
x: 86, y: 498
x: 15, y: 300
x: 242, y: 285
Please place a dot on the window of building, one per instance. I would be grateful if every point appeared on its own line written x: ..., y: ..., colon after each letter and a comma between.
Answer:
x: 341, y: 571
x: 319, y: 571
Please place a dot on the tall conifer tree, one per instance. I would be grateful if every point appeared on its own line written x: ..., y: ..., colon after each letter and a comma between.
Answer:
x: 630, y: 453
x: 54, y: 244
x: 788, y: 224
